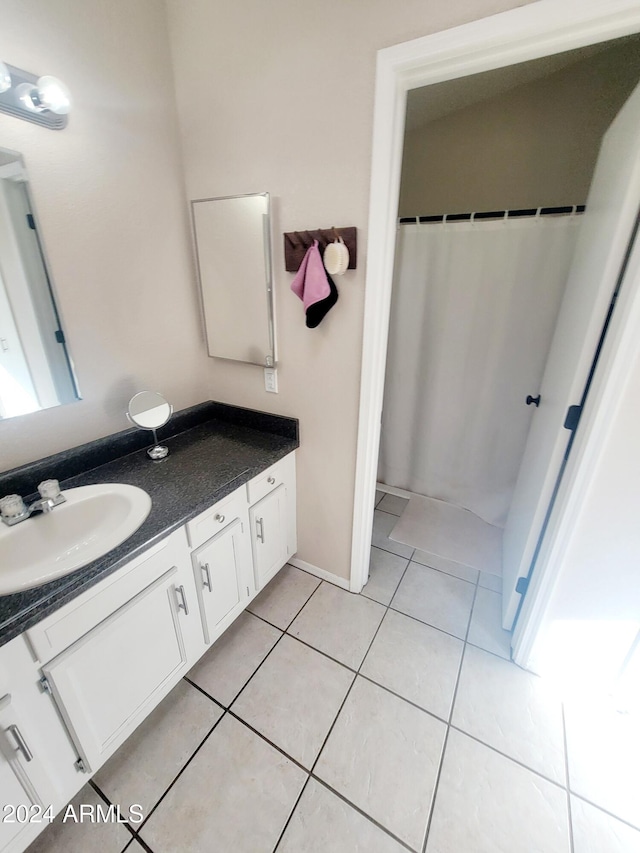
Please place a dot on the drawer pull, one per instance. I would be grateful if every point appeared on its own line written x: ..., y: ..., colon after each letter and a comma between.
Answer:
x: 206, y: 580
x: 182, y: 599
x: 271, y: 480
x: 22, y: 744
x: 260, y: 529
x: 219, y: 517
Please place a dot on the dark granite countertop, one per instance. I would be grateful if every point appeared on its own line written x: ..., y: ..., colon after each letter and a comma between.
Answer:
x: 214, y: 449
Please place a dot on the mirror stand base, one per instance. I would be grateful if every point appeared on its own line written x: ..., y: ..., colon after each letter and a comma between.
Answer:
x: 157, y: 452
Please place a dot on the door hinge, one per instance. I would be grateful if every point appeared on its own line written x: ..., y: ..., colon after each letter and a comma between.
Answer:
x: 80, y: 765
x: 45, y: 686
x: 572, y: 418
x: 522, y: 585
x: 60, y: 336
x: 31, y: 221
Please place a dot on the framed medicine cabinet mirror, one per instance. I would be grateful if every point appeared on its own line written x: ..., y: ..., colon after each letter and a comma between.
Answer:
x: 233, y: 250
x: 36, y: 370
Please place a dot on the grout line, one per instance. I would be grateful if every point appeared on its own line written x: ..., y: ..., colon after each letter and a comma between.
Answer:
x: 605, y: 811
x: 141, y: 842
x: 266, y: 621
x: 566, y: 777
x: 181, y: 771
x: 508, y: 757
x: 496, y: 655
x: 455, y: 636
x: 395, y: 553
x: 284, y: 633
x: 270, y: 742
x: 361, y: 812
x: 102, y: 794
x: 447, y: 574
x: 302, y: 606
x: 404, y: 698
x: 335, y: 719
x: 332, y: 726
x: 348, y: 693
x: 204, y: 692
x: 432, y: 805
x: 320, y: 652
x: 257, y: 669
x: 422, y: 622
x: 288, y: 820
x: 388, y: 513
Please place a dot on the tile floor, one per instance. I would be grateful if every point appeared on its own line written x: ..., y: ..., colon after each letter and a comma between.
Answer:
x: 379, y: 723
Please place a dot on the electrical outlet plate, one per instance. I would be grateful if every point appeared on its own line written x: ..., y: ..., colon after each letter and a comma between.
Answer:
x: 271, y: 379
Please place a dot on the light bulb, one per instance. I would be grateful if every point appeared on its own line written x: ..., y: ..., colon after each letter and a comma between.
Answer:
x: 53, y: 95
x: 5, y: 78
x: 27, y: 94
x: 49, y: 93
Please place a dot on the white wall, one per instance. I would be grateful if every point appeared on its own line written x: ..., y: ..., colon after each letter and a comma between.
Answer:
x: 278, y: 96
x: 109, y: 194
x: 533, y: 146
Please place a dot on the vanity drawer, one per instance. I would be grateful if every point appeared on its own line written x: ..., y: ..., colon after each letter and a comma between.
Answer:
x: 216, y: 518
x: 267, y: 481
x: 62, y: 628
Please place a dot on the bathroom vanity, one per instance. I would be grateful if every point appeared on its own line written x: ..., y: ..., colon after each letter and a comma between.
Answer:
x: 87, y: 657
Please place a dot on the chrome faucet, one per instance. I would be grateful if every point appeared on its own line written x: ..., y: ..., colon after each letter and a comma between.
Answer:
x: 13, y: 509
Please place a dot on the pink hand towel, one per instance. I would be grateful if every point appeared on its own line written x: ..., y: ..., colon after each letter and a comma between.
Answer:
x: 310, y: 283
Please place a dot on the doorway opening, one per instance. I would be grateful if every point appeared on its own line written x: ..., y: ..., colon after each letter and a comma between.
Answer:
x: 504, y: 42
x: 496, y: 171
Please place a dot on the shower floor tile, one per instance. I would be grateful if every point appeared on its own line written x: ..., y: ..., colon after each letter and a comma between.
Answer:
x: 393, y: 504
x: 383, y: 524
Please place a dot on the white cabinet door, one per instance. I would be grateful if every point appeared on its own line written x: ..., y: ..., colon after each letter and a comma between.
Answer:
x: 110, y: 679
x: 25, y: 788
x: 221, y: 569
x: 269, y: 520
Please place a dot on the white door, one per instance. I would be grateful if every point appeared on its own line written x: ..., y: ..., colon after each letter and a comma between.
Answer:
x: 607, y: 227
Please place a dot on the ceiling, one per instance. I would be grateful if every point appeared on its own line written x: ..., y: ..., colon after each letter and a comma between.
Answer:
x: 433, y: 102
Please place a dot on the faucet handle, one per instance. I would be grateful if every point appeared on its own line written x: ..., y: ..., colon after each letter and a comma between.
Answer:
x: 49, y: 489
x: 12, y: 506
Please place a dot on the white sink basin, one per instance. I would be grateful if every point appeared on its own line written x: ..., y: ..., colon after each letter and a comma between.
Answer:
x: 92, y: 521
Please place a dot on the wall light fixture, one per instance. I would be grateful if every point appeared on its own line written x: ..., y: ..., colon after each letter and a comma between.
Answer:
x: 43, y: 100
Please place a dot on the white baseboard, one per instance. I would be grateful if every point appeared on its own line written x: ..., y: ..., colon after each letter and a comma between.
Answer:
x: 343, y: 583
x: 392, y: 490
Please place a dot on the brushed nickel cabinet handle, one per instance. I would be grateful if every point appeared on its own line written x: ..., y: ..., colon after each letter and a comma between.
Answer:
x: 271, y: 480
x: 22, y: 744
x: 260, y: 530
x: 206, y: 580
x: 218, y: 517
x: 182, y: 600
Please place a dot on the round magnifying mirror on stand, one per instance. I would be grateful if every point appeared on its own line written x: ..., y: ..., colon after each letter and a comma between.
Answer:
x: 149, y: 410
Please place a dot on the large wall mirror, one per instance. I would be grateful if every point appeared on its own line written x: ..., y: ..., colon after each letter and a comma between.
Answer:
x: 233, y: 246
x: 36, y: 371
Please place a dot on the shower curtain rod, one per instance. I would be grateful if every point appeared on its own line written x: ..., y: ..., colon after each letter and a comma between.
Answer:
x: 494, y: 214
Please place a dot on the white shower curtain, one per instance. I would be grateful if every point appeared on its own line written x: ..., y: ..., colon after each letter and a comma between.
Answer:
x: 473, y: 313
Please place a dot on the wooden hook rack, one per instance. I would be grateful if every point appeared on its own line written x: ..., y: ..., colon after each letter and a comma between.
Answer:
x: 296, y: 244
